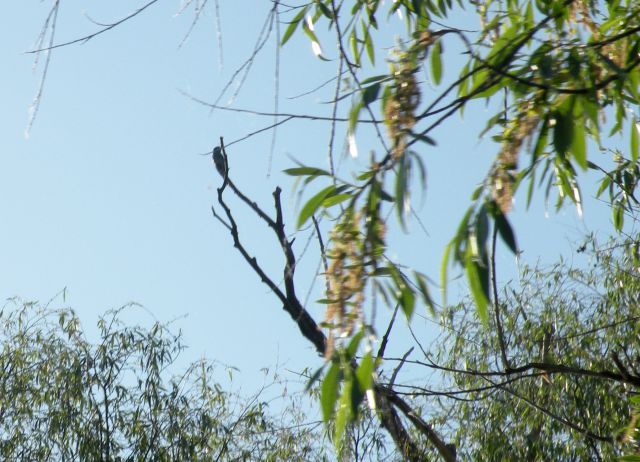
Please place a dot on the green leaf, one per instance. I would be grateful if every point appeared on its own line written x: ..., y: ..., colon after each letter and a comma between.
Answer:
x: 307, y: 28
x: 407, y: 301
x: 444, y: 267
x: 436, y: 62
x: 478, y: 289
x: 604, y: 184
x: 353, y: 115
x: 482, y: 231
x: 368, y: 43
x: 421, y: 282
x: 375, y: 78
x: 365, y: 372
x: 562, y: 132
x: 541, y: 142
x: 300, y: 171
x: 352, y: 348
x: 357, y: 395
x: 618, y: 216
x: 293, y: 25
x: 314, y: 378
x: 353, y: 41
x: 532, y: 182
x: 324, y: 9
x: 370, y: 93
x: 578, y: 144
x: 382, y: 271
x: 344, y: 412
x: 404, y: 294
x: 329, y: 391
x: 337, y: 199
x: 424, y: 138
x: 506, y: 232
x: 401, y: 190
x: 363, y: 381
x: 313, y: 204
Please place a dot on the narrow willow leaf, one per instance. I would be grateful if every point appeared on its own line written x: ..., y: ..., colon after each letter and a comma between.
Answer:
x: 354, y: 113
x: 368, y: 43
x: 482, y: 231
x: 337, y: 199
x: 578, y: 143
x: 401, y: 191
x: 329, y: 391
x: 343, y: 413
x: 313, y: 204
x: 375, y: 78
x: 541, y: 142
x: 618, y: 216
x: 324, y: 9
x: 353, y: 41
x: 604, y: 184
x: 532, y: 182
x: 424, y: 138
x: 364, y: 373
x: 314, y: 378
x: 352, y: 348
x: 370, y: 93
x: 480, y: 296
x: 293, y: 25
x: 444, y: 268
x: 506, y: 232
x: 562, y: 132
x: 407, y: 301
x: 421, y: 282
x: 298, y: 171
x: 307, y: 27
x: 436, y: 62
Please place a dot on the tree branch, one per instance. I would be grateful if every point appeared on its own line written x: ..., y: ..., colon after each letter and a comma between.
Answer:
x: 106, y: 28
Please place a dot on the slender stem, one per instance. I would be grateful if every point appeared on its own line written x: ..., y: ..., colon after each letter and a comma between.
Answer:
x: 496, y: 302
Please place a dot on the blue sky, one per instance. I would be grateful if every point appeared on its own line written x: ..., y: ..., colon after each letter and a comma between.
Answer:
x: 108, y: 196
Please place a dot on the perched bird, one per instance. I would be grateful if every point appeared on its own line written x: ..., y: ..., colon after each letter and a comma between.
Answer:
x: 218, y: 160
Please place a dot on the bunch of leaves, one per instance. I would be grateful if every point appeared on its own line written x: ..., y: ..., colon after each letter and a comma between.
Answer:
x: 65, y: 398
x: 553, y: 71
x: 566, y: 65
x: 562, y: 315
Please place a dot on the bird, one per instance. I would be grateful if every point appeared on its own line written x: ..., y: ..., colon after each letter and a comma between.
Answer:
x: 219, y: 162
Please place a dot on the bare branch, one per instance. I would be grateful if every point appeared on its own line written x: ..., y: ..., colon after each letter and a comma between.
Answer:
x: 272, y: 114
x: 496, y: 302
x: 444, y: 450
x: 106, y: 28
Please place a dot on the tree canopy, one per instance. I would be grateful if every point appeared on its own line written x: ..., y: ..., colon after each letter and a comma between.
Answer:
x: 546, y: 369
x: 66, y: 398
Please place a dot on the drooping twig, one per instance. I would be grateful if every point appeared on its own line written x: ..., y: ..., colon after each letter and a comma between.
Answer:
x: 50, y: 24
x: 272, y: 114
x: 106, y: 28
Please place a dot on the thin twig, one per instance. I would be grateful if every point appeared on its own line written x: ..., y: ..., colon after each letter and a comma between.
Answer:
x: 272, y: 114
x: 385, y: 337
x: 106, y: 28
x: 496, y: 302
